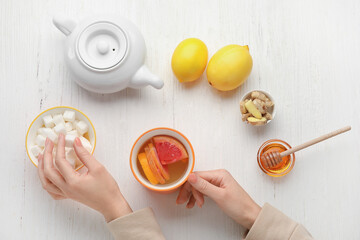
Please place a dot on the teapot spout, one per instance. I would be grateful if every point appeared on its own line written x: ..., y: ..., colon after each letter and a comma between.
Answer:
x: 65, y: 25
x: 144, y: 77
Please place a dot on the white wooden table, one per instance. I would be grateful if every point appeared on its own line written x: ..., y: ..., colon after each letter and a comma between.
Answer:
x: 306, y: 54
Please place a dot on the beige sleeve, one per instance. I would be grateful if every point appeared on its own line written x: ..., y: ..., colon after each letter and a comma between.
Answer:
x: 138, y: 225
x: 273, y: 224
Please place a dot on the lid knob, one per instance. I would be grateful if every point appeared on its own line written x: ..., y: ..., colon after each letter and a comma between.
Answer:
x: 102, y: 46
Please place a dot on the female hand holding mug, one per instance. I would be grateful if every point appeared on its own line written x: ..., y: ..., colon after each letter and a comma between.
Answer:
x: 221, y: 187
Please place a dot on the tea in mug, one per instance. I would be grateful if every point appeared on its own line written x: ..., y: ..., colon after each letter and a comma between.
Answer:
x: 162, y: 160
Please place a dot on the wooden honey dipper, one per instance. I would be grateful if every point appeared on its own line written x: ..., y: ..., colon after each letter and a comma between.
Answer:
x: 271, y: 159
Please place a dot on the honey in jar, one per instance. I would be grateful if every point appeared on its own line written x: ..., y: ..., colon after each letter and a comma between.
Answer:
x: 283, y: 167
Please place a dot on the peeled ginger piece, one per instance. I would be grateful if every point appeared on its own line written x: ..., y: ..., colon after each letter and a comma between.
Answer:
x: 250, y: 106
x: 255, y: 121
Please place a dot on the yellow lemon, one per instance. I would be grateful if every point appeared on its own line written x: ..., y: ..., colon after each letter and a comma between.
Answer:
x: 189, y: 59
x: 229, y: 67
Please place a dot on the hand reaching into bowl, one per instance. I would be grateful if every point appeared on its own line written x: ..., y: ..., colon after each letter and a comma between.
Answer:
x: 96, y: 188
x: 221, y: 187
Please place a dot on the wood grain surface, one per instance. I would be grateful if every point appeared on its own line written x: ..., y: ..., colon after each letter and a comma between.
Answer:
x: 306, y: 54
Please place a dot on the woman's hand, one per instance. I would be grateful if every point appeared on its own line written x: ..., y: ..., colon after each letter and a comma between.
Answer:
x: 95, y: 188
x: 221, y: 187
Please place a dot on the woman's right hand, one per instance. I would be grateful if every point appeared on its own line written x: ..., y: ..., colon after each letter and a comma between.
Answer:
x: 95, y: 188
x: 221, y: 187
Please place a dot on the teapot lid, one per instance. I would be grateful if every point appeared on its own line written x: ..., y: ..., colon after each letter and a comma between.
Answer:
x: 102, y: 45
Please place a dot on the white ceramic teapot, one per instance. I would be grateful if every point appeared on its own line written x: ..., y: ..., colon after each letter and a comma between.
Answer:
x: 106, y: 54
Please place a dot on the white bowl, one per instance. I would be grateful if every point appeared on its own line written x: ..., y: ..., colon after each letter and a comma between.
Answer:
x: 37, y: 123
x: 271, y: 110
x: 170, y: 187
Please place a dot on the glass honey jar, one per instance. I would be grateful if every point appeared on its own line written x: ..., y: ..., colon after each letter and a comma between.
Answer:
x: 283, y: 167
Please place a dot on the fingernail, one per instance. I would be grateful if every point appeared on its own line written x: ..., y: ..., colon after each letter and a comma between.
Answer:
x: 192, y: 178
x: 199, y: 205
x: 61, y: 135
x: 78, y: 142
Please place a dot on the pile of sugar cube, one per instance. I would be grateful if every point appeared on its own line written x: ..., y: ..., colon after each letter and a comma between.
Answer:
x: 66, y: 124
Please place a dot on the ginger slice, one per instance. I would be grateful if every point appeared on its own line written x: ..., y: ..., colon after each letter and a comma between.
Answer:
x: 269, y: 103
x: 250, y: 106
x: 268, y: 116
x: 258, y: 95
x: 255, y: 121
x: 245, y: 116
x: 260, y: 105
x: 242, y: 107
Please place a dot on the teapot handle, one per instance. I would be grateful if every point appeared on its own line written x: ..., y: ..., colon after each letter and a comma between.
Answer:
x: 66, y: 26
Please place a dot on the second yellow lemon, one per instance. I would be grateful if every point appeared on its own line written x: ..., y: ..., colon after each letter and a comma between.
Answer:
x: 189, y: 59
x: 229, y: 67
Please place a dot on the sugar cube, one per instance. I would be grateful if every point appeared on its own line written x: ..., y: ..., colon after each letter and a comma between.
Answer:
x: 36, y: 150
x: 86, y: 144
x: 50, y: 133
x: 70, y: 156
x: 69, y: 116
x: 74, y: 123
x: 40, y: 140
x: 48, y: 121
x: 60, y: 128
x: 68, y: 126
x: 40, y: 131
x: 82, y: 127
x: 58, y: 119
x: 73, y: 132
x: 69, y: 140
